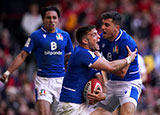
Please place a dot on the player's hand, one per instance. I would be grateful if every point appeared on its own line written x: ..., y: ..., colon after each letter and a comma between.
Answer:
x: 95, y: 97
x: 4, y: 78
x: 97, y: 53
x: 131, y: 54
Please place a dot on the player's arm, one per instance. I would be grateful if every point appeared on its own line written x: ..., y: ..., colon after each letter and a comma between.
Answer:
x: 67, y: 56
x: 105, y: 76
x: 144, y: 77
x: 68, y: 49
x: 100, y: 77
x: 113, y: 66
x: 66, y: 59
x: 15, y: 64
x: 96, y: 97
x: 122, y: 72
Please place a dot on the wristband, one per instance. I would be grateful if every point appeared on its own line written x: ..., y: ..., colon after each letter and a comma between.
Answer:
x: 128, y: 59
x: 7, y: 73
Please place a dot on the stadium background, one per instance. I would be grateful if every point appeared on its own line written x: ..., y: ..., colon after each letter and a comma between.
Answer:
x: 141, y: 19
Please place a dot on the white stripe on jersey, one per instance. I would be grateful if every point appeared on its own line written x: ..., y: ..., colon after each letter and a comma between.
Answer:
x: 134, y: 72
x: 69, y: 88
x: 119, y: 35
x: 92, y: 54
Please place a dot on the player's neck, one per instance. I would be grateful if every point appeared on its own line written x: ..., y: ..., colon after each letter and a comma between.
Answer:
x: 116, y: 34
x: 51, y: 31
x: 84, y: 46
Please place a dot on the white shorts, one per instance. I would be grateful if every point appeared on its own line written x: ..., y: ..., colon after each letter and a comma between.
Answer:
x: 48, y: 89
x: 120, y: 92
x: 65, y: 108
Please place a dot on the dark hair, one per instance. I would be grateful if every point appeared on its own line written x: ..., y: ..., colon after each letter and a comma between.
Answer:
x: 82, y: 31
x: 49, y: 8
x: 116, y: 17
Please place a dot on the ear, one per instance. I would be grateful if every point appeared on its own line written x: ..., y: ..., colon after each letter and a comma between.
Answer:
x: 118, y: 27
x: 85, y: 41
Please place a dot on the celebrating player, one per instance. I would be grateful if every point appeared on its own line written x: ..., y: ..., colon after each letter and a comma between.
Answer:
x: 124, y: 86
x: 50, y: 44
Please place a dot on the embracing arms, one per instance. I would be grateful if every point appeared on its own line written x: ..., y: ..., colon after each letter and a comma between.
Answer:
x: 113, y: 66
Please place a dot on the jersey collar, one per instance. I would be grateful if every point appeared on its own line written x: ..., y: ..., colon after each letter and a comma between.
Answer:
x: 44, y: 30
x: 119, y: 35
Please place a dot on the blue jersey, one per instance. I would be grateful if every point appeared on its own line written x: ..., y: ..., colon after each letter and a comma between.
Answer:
x: 117, y: 50
x: 49, y: 49
x: 77, y: 75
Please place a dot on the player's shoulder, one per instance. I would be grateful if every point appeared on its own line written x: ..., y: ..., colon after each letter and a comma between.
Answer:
x: 62, y: 31
x: 125, y: 35
x: 39, y: 31
x: 126, y: 38
x: 82, y: 51
x: 79, y: 53
x: 36, y: 33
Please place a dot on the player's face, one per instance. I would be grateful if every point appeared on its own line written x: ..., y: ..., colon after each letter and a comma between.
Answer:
x: 109, y: 29
x: 51, y: 21
x: 93, y: 39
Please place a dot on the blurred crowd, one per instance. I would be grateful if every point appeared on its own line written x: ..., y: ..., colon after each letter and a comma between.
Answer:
x: 19, y: 18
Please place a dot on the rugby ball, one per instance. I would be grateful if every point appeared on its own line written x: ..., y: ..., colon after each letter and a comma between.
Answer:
x: 91, y: 86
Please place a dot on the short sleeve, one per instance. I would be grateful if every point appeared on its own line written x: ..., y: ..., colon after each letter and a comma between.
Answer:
x: 88, y: 58
x: 29, y: 45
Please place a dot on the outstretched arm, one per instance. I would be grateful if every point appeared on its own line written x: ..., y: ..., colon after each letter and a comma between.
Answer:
x: 15, y: 64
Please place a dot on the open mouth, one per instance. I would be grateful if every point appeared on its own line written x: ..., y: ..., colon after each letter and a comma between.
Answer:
x: 104, y: 32
x: 97, y: 43
x: 51, y: 24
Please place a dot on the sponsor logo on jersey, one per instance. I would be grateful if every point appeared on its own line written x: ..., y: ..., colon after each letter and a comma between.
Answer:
x: 59, y: 36
x: 43, y: 92
x: 116, y: 49
x: 52, y: 53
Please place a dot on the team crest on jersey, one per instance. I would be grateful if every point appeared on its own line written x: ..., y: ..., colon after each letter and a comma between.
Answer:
x: 43, y: 92
x: 116, y: 49
x: 59, y: 36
